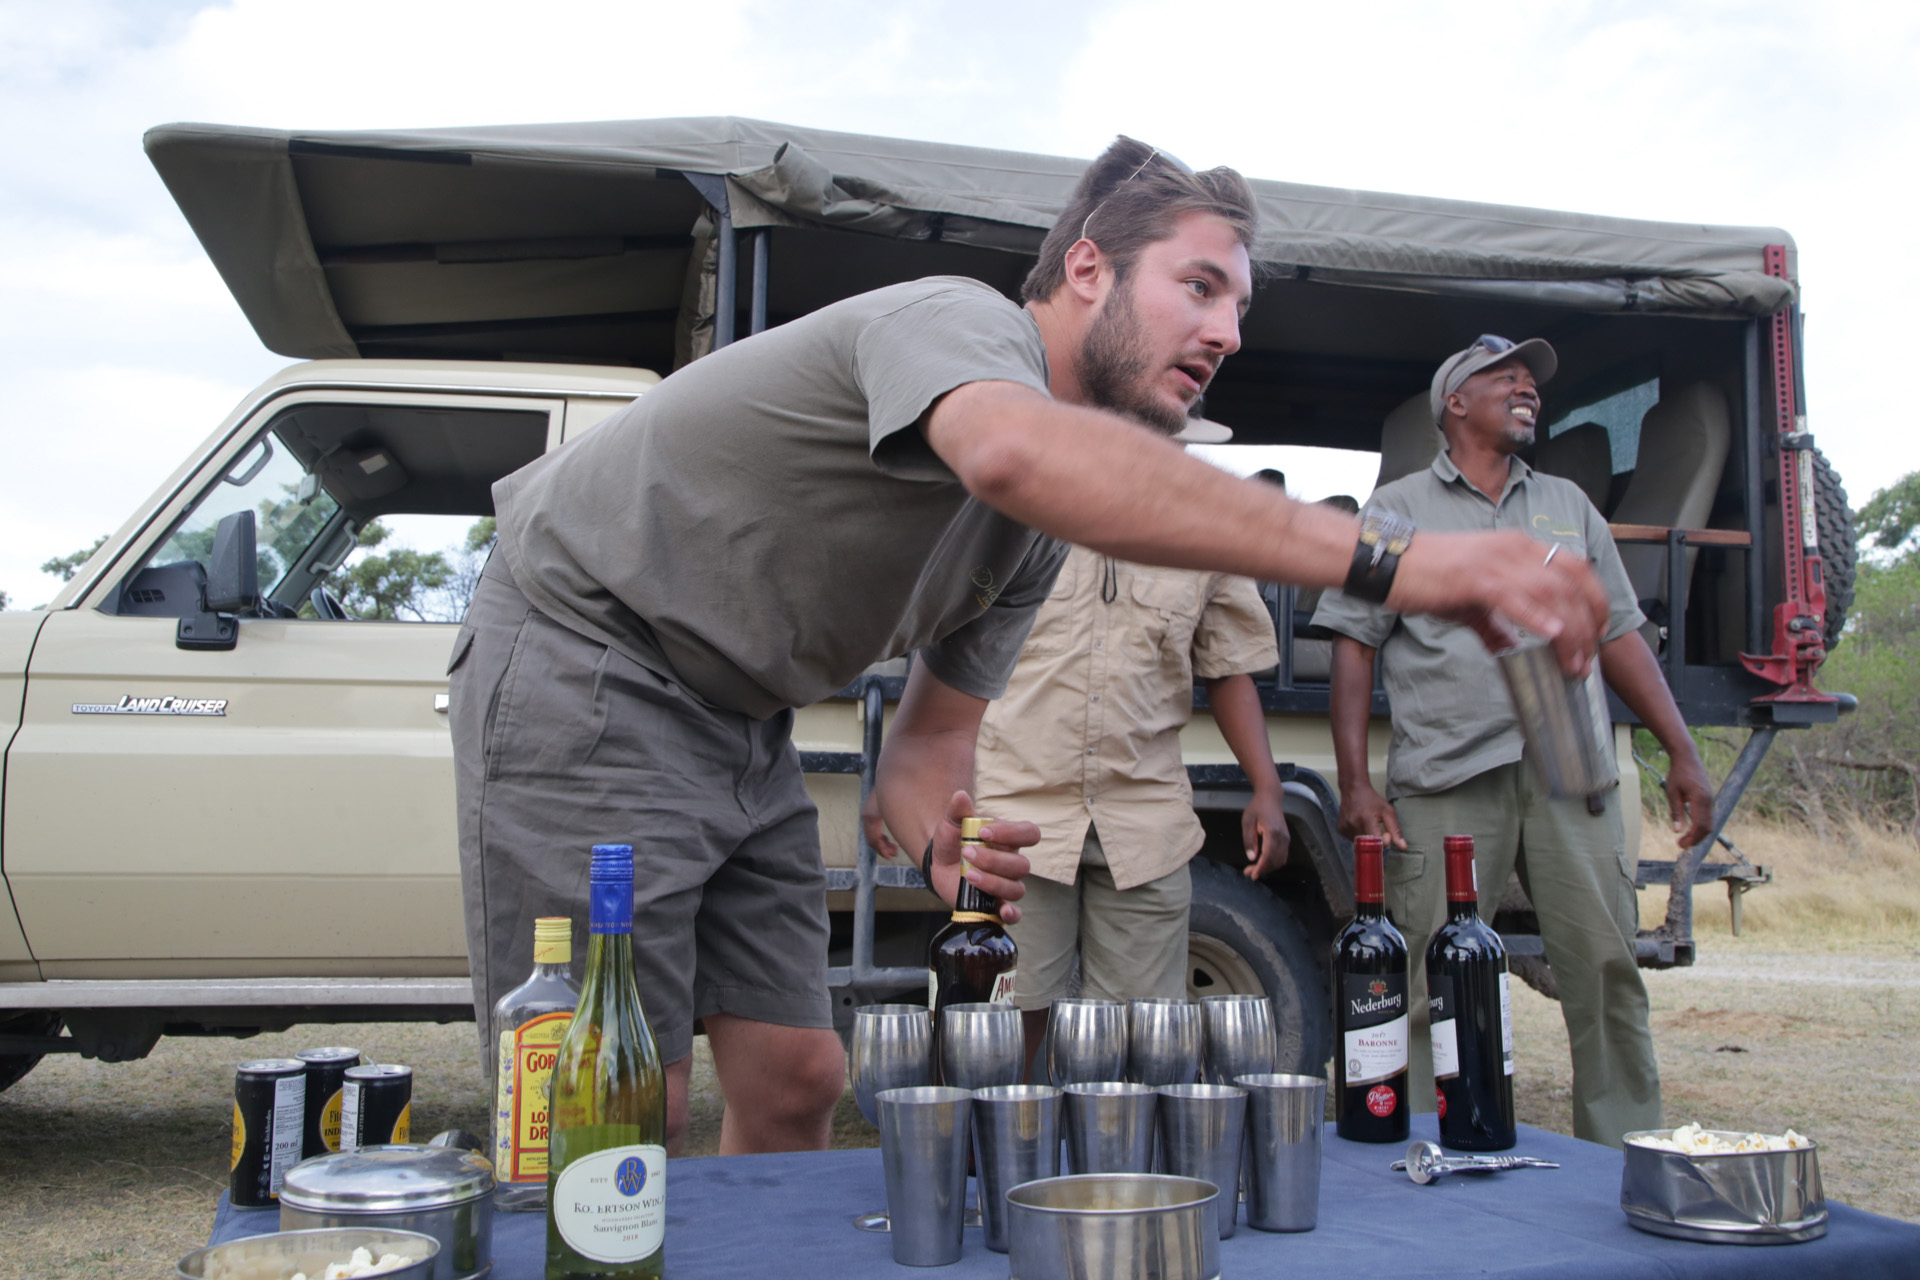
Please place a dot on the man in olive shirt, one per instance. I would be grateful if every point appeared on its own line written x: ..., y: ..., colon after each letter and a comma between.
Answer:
x: 886, y: 475
x: 1455, y: 765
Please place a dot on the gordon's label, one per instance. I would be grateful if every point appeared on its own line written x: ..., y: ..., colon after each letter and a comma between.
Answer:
x: 239, y: 1138
x: 1441, y: 1021
x: 1003, y: 988
x: 1375, y: 1044
x: 611, y: 1206
x: 525, y: 1095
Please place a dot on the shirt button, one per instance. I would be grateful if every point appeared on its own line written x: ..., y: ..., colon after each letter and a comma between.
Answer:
x: 1099, y: 644
x: 1096, y: 697
x: 1089, y: 750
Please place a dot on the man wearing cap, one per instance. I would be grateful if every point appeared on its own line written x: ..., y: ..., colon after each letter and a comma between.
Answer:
x: 1455, y: 765
x: 1086, y: 743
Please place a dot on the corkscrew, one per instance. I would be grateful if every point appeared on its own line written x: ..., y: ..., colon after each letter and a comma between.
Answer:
x: 1425, y: 1162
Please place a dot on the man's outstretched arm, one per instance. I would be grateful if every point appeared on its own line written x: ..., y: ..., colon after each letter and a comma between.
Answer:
x: 1091, y: 477
x: 1631, y: 670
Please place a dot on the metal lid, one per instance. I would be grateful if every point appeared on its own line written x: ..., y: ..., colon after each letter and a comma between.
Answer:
x: 387, y: 1179
x: 271, y: 1067
x: 329, y: 1055
x: 378, y: 1071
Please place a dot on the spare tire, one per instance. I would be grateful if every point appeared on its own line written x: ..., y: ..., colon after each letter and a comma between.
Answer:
x: 1834, y: 520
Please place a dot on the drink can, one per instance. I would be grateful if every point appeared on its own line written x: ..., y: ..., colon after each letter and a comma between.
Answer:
x: 269, y: 1121
x: 326, y: 1074
x: 376, y: 1106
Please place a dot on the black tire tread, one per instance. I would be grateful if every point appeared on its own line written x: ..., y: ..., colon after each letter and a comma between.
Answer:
x: 1838, y: 555
x: 1248, y: 917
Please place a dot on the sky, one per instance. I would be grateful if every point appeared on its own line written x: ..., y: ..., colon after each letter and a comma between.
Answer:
x: 120, y: 349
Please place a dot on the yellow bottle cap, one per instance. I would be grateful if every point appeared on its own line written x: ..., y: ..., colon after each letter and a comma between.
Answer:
x: 970, y: 827
x: 552, y: 940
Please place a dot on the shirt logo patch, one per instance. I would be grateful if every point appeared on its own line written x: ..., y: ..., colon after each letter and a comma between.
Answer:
x: 988, y: 591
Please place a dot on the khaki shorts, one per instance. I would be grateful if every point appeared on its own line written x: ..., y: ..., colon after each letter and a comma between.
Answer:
x: 1131, y: 942
x: 561, y: 743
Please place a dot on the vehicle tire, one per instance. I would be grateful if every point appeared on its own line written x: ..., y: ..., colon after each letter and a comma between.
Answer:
x: 1242, y: 939
x: 39, y: 1022
x: 1834, y: 520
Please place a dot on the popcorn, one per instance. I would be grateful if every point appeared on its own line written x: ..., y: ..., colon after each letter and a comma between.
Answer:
x: 360, y: 1264
x: 1692, y: 1140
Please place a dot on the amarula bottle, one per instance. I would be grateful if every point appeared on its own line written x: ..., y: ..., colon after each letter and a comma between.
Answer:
x: 530, y: 1021
x: 1471, y: 1013
x: 971, y: 960
x: 606, y: 1191
x: 1370, y: 1010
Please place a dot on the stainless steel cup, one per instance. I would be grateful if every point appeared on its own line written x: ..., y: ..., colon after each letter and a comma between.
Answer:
x: 923, y: 1149
x: 1016, y: 1139
x: 1202, y: 1127
x: 1163, y: 1041
x: 981, y: 1045
x: 1237, y: 1035
x: 1565, y: 722
x: 1086, y: 1041
x: 1113, y: 1227
x: 1286, y: 1117
x: 892, y: 1049
x: 1110, y: 1127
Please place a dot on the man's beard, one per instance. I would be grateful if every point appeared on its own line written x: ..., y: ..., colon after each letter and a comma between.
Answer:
x: 1113, y: 365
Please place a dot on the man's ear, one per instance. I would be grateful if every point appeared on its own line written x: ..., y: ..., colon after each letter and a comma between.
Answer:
x: 1088, y: 272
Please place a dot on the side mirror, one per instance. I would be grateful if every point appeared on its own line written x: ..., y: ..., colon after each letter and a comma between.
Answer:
x: 233, y: 574
x: 233, y: 585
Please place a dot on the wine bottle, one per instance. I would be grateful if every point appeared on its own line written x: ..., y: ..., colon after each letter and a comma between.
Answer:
x: 1471, y: 1012
x: 1370, y: 1010
x: 607, y: 1180
x: 971, y: 960
x: 530, y: 1021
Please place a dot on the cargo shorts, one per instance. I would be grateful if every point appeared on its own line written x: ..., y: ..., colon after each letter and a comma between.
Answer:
x: 561, y: 743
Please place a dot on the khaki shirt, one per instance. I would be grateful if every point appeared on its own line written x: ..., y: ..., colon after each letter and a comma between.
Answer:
x: 1452, y: 717
x: 1089, y: 728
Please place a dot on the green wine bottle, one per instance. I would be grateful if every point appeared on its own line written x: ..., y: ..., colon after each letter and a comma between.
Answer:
x: 607, y: 1162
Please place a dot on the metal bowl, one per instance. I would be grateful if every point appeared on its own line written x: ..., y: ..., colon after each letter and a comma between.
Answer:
x: 1113, y: 1226
x: 1746, y: 1197
x: 445, y: 1192
x: 280, y: 1254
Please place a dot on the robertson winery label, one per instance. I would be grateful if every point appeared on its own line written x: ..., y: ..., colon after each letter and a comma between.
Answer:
x: 1375, y: 1045
x: 611, y: 1205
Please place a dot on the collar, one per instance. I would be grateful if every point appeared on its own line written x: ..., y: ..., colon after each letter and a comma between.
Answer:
x: 1518, y: 472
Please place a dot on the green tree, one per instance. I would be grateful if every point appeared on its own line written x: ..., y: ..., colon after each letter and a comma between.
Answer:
x: 64, y: 567
x: 396, y: 584
x: 1890, y: 519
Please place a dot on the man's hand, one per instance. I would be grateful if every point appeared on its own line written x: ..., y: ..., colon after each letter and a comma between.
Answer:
x: 1690, y: 801
x: 1264, y: 834
x: 1494, y: 581
x: 875, y: 829
x: 998, y: 866
x: 1365, y: 812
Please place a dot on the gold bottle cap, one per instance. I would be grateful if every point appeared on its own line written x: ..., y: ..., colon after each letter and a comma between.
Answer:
x: 970, y: 827
x: 552, y: 940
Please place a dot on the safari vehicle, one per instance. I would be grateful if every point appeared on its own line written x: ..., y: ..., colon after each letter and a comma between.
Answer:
x: 228, y: 806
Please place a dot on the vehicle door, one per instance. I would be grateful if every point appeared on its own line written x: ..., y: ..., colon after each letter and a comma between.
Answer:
x: 283, y: 807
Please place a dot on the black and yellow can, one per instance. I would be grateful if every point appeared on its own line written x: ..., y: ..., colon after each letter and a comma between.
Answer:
x: 326, y: 1074
x: 376, y: 1106
x: 269, y: 1123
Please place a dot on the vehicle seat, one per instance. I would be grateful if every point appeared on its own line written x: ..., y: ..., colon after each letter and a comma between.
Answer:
x: 1683, y: 451
x: 1582, y: 454
x: 1408, y: 439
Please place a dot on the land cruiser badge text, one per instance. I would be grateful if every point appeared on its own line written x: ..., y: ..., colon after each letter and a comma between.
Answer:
x: 129, y: 705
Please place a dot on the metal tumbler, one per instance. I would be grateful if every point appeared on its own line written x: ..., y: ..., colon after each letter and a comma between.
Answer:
x: 1202, y: 1127
x: 1086, y: 1041
x: 892, y: 1049
x: 1163, y: 1041
x: 1566, y: 724
x: 1016, y: 1138
x: 1286, y: 1118
x: 923, y: 1150
x: 1237, y: 1034
x: 981, y: 1045
x: 1110, y: 1127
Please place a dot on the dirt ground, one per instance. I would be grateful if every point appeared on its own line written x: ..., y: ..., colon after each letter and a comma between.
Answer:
x: 112, y: 1170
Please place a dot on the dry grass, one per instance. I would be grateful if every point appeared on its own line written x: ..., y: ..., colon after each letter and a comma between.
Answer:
x: 1861, y: 887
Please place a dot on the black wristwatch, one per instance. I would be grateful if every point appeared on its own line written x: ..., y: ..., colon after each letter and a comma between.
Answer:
x: 1384, y: 537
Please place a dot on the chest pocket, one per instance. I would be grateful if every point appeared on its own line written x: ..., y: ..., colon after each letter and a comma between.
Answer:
x: 1166, y: 608
x: 1053, y: 624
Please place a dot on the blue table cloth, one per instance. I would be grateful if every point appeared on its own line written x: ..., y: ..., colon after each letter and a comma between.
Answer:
x: 790, y: 1216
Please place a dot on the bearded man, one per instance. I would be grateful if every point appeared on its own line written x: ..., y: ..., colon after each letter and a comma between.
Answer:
x: 895, y: 473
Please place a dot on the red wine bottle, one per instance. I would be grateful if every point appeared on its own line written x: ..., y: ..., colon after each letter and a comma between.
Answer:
x: 1370, y: 1011
x: 971, y: 960
x: 1471, y: 1013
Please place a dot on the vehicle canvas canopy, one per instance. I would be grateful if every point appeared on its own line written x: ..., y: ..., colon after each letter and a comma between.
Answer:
x: 603, y: 243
